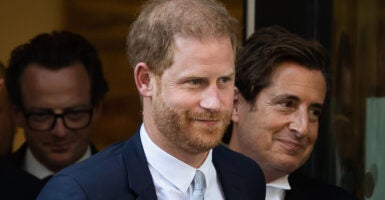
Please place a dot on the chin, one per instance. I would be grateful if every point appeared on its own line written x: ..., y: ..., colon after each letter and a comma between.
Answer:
x: 290, y: 164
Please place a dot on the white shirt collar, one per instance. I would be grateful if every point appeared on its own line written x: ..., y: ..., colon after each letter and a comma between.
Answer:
x: 276, y: 189
x: 34, y: 167
x: 282, y: 183
x: 175, y: 171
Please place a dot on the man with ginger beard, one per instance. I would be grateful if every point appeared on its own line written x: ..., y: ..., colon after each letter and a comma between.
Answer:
x: 183, y: 55
x: 281, y: 80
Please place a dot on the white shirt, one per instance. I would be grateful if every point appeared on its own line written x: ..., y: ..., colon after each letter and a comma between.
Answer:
x: 34, y: 167
x: 172, y: 177
x: 276, y: 189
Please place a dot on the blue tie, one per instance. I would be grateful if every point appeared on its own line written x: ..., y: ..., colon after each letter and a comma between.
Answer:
x: 199, y: 186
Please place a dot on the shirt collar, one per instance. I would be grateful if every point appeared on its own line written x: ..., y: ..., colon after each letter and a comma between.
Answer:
x: 34, y: 167
x: 282, y: 183
x: 276, y: 189
x: 175, y: 171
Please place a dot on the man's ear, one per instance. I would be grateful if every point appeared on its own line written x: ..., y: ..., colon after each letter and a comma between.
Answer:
x: 235, y: 115
x: 143, y: 77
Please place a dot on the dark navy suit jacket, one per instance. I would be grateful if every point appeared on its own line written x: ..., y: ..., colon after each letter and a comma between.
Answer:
x: 304, y: 188
x: 121, y: 172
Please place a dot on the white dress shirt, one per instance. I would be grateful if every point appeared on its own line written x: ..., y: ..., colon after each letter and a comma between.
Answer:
x: 276, y: 189
x: 34, y: 167
x: 172, y: 177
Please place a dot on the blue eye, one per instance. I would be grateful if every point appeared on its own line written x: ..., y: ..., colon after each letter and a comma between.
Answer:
x: 224, y: 79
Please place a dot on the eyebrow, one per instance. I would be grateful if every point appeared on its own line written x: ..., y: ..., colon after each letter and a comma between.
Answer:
x: 191, y: 77
x: 294, y: 98
x: 230, y: 74
x: 285, y: 97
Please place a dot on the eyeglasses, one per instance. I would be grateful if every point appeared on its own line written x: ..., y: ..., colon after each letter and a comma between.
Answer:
x: 45, y: 121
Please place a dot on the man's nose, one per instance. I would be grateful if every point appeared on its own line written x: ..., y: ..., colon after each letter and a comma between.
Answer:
x: 210, y: 99
x: 59, y: 129
x: 299, y: 123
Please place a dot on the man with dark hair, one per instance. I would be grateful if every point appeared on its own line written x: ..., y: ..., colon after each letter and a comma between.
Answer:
x: 56, y: 86
x: 183, y: 55
x: 282, y: 83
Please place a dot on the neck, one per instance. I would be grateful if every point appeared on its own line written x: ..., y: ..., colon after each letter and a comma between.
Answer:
x: 272, y: 174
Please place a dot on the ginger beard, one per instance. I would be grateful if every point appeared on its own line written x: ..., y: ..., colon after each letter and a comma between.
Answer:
x: 187, y: 130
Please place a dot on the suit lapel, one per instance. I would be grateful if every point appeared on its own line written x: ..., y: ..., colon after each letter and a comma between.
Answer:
x: 229, y: 178
x: 300, y: 188
x: 138, y: 174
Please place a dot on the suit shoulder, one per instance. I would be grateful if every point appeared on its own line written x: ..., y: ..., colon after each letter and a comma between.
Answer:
x: 232, y: 156
x: 232, y: 161
x: 240, y: 170
x: 99, y: 162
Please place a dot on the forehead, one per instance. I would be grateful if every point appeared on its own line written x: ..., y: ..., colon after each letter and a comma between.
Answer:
x: 42, y: 87
x: 211, y: 53
x: 294, y: 79
x: 205, y: 47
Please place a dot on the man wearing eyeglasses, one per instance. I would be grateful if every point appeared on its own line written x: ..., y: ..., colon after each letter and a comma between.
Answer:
x: 56, y: 85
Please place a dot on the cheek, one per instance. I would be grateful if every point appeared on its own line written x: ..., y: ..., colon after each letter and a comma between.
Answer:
x: 36, y: 138
x: 271, y: 123
x: 227, y: 97
x: 82, y: 134
x: 178, y: 100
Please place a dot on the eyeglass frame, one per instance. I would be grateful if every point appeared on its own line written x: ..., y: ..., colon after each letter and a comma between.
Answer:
x: 89, y: 111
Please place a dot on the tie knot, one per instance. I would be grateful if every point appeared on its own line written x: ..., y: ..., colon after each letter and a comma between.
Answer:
x: 199, y: 182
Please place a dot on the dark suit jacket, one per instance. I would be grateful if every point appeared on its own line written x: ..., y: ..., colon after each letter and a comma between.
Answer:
x: 16, y: 183
x: 121, y: 172
x: 305, y: 188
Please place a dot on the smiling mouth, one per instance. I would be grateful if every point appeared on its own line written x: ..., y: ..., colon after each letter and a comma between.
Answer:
x: 59, y: 148
x: 291, y: 145
x: 208, y: 121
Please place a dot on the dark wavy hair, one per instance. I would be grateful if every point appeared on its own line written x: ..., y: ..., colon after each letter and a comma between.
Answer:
x: 56, y: 50
x: 266, y: 49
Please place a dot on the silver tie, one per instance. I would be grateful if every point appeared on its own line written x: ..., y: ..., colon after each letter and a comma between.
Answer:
x: 199, y: 186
